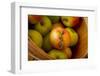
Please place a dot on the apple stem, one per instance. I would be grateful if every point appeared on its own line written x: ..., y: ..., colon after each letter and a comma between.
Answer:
x: 41, y: 22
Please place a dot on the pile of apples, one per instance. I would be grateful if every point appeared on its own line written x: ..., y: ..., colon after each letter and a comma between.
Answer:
x: 54, y: 34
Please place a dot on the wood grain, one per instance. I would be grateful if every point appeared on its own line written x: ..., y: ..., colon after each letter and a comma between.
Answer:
x: 81, y: 49
x: 31, y: 56
x: 36, y: 51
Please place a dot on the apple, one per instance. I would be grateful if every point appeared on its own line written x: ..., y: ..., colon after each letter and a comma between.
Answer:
x: 57, y: 54
x: 36, y: 37
x: 55, y: 25
x: 44, y: 26
x: 60, y: 38
x: 46, y: 43
x: 68, y: 52
x: 70, y: 21
x: 33, y: 19
x: 73, y: 35
x: 54, y: 19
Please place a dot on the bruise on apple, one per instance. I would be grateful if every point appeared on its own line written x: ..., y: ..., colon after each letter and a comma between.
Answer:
x: 60, y: 38
x: 61, y: 44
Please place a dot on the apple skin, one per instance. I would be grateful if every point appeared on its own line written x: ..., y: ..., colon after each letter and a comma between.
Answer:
x: 55, y: 25
x: 70, y: 21
x: 57, y: 54
x: 68, y: 52
x: 44, y: 26
x: 60, y: 38
x: 46, y: 43
x: 36, y: 37
x: 73, y: 35
x: 54, y: 19
x: 33, y: 19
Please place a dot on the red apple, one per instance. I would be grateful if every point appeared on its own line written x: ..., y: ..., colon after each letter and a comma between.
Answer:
x: 60, y: 38
x: 33, y: 19
x: 70, y: 21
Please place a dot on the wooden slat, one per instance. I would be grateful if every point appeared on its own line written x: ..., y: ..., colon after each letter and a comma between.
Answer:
x: 31, y: 56
x: 81, y: 49
x: 36, y: 51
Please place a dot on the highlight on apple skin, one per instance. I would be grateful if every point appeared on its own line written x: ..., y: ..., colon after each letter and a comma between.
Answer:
x: 60, y: 38
x: 70, y: 21
x: 44, y: 26
x: 36, y: 37
x: 73, y: 35
x: 57, y: 54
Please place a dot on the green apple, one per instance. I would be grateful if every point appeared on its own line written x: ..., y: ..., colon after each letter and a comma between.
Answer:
x: 33, y: 19
x: 36, y: 37
x: 44, y: 26
x: 57, y: 54
x: 70, y: 21
x: 46, y: 43
x: 60, y: 38
x: 54, y: 19
x: 74, y: 36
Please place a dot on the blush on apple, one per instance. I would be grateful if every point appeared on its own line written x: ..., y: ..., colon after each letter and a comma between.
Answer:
x: 60, y: 38
x: 73, y: 35
x: 33, y: 19
x: 70, y: 21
